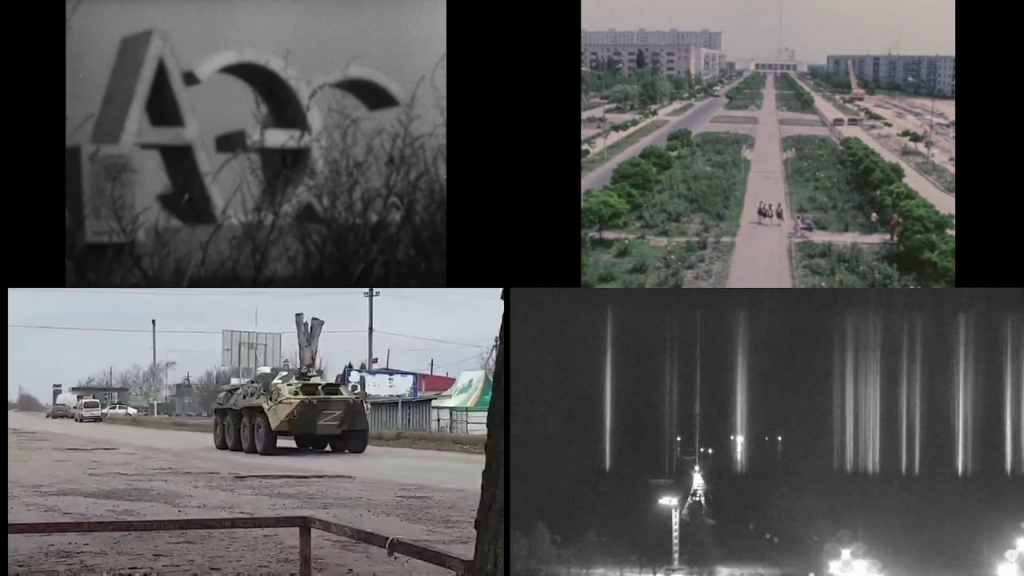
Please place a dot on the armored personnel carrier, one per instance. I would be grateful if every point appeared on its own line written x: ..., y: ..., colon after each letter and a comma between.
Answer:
x: 249, y: 417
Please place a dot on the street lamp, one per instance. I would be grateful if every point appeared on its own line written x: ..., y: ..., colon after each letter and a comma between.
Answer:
x: 673, y: 501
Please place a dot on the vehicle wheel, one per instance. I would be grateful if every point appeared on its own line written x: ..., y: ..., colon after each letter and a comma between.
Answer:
x: 234, y: 422
x: 302, y: 442
x: 356, y: 440
x: 266, y: 438
x: 219, y: 438
x: 248, y: 438
x: 318, y: 443
x: 338, y: 444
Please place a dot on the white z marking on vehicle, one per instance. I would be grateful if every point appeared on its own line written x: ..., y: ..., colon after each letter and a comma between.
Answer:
x: 327, y: 415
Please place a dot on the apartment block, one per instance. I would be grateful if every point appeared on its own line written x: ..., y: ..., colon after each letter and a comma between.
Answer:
x: 671, y: 53
x: 898, y: 70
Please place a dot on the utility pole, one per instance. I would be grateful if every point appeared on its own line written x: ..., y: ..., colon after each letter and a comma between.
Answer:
x: 431, y: 365
x: 154, y: 349
x: 371, y: 294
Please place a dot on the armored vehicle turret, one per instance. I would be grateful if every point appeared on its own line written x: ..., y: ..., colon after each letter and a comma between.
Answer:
x: 295, y: 402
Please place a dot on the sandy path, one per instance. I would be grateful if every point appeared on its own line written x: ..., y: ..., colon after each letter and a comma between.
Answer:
x: 61, y: 470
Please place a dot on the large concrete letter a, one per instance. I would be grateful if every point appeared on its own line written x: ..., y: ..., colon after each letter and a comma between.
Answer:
x: 145, y: 74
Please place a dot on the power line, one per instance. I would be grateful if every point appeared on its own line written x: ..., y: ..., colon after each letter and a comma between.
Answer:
x: 431, y: 339
x: 217, y: 332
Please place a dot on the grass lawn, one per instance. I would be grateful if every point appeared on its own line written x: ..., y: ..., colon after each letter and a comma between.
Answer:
x: 828, y: 265
x: 681, y: 110
x: 591, y: 163
x: 818, y: 187
x: 636, y: 264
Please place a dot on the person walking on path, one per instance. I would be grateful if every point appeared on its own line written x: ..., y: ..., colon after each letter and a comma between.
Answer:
x: 778, y: 213
x: 796, y: 225
x: 874, y: 223
x: 760, y: 211
x: 892, y: 227
x: 771, y: 213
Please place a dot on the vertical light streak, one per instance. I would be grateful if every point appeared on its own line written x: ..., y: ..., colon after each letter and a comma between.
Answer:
x: 696, y: 419
x: 740, y: 462
x: 837, y: 400
x: 917, y: 399
x: 960, y: 398
x: 608, y: 398
x: 903, y: 404
x: 1020, y: 395
x: 675, y: 401
x: 849, y: 392
x: 969, y: 394
x: 669, y: 440
x: 862, y: 392
x: 876, y: 394
x: 1009, y: 400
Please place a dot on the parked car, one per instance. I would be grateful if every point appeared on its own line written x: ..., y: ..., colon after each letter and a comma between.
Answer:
x: 120, y: 410
x: 59, y: 411
x: 88, y: 409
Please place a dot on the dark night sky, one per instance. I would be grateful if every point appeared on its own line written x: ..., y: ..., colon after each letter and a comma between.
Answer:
x: 558, y: 370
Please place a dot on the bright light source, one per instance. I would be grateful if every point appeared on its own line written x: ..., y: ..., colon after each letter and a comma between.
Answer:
x: 669, y: 501
x: 697, y: 468
x: 833, y: 567
x: 1020, y: 544
x: 678, y: 438
x: 845, y: 554
x: 709, y: 450
x: 1007, y: 569
x: 732, y: 437
x: 740, y: 438
x: 860, y: 567
x: 780, y: 438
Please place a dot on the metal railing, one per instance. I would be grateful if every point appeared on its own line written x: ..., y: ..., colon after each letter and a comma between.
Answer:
x: 430, y: 555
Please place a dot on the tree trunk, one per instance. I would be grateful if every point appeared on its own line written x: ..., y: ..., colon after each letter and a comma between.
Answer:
x: 489, y: 559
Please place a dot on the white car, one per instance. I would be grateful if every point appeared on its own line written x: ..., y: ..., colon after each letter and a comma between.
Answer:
x: 120, y: 410
x: 88, y: 409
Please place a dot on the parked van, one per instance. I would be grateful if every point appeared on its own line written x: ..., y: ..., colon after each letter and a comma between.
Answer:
x: 838, y: 122
x: 853, y: 121
x: 88, y: 409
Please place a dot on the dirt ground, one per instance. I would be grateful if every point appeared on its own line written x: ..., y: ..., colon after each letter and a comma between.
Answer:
x: 916, y: 114
x: 66, y: 471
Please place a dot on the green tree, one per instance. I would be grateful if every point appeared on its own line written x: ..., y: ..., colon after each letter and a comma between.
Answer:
x: 637, y: 173
x: 602, y: 208
x: 683, y: 137
x: 658, y: 157
x: 640, y: 62
x: 632, y: 197
x: 585, y: 259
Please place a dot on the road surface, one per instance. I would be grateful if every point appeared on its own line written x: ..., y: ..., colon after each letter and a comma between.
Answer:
x: 65, y: 471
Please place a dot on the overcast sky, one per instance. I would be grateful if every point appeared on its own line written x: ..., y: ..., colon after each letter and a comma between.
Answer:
x: 814, y: 28
x: 402, y: 39
x: 451, y: 326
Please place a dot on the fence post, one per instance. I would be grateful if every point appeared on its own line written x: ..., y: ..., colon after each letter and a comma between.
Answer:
x: 305, y: 561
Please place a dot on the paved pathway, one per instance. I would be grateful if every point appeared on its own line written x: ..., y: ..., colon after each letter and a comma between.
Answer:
x: 761, y: 259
